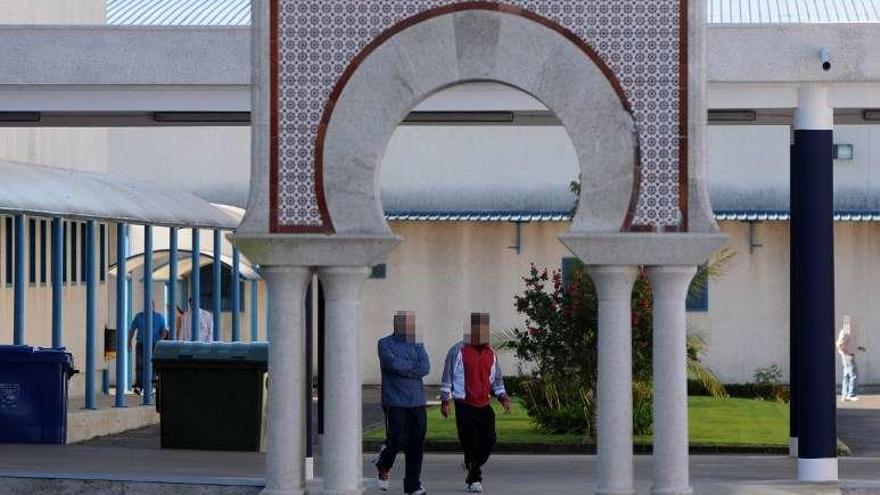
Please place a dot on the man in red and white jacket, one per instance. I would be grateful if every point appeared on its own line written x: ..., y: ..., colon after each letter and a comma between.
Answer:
x: 471, y: 376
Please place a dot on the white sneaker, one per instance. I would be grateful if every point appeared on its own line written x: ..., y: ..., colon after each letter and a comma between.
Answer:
x: 420, y: 491
x: 853, y: 398
x: 475, y: 487
x: 383, y: 483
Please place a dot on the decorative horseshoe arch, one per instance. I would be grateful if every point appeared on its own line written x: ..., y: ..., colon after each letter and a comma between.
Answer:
x: 465, y: 43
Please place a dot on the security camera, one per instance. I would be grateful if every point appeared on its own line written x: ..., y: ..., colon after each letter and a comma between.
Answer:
x: 825, y: 58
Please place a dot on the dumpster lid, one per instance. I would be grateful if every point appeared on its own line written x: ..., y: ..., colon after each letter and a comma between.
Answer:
x: 26, y: 353
x: 181, y: 350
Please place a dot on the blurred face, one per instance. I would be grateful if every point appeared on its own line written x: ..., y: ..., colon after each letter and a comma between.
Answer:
x: 405, y: 325
x: 479, y: 332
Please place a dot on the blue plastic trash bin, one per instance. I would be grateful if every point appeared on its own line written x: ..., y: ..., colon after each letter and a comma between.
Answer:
x: 33, y: 394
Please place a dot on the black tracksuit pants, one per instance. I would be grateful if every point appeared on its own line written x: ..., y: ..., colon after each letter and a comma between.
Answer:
x: 476, y: 434
x: 405, y: 429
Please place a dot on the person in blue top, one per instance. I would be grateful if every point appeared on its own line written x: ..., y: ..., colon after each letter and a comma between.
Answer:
x: 159, y: 332
x: 404, y: 364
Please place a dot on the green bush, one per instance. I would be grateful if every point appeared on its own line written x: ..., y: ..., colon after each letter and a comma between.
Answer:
x: 566, y: 406
x: 514, y: 384
x: 763, y: 391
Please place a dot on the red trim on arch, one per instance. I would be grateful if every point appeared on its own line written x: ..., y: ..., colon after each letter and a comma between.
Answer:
x: 355, y: 63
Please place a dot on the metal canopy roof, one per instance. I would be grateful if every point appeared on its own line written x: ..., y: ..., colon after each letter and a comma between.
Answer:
x: 179, y: 12
x: 44, y: 191
x: 793, y: 11
x: 238, y: 13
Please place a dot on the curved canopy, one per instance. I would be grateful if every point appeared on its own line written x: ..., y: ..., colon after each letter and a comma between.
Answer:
x: 162, y: 271
x: 45, y: 191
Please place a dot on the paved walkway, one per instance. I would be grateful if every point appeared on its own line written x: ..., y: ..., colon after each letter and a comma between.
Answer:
x: 858, y: 425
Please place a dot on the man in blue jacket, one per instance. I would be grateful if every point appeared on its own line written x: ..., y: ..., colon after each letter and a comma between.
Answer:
x: 404, y: 364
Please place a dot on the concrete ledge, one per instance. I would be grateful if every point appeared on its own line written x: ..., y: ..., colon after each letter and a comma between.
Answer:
x: 620, y: 248
x: 316, y: 249
x: 84, y: 425
x: 69, y: 486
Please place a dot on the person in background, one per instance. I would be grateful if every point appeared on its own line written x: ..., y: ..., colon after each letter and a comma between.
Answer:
x: 846, y: 347
x: 404, y: 363
x: 471, y: 375
x: 206, y: 325
x: 159, y: 332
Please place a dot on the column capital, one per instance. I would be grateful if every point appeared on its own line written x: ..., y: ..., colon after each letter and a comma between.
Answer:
x: 671, y: 280
x: 613, y: 281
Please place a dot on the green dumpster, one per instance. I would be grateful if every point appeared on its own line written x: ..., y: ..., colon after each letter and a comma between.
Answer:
x: 210, y: 394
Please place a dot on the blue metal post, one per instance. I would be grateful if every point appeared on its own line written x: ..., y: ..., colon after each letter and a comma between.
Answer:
x: 57, y: 263
x: 91, y: 310
x: 121, y: 333
x: 18, y: 311
x: 255, y: 330
x: 172, y: 282
x: 147, y: 337
x: 218, y: 265
x: 195, y: 293
x: 236, y: 296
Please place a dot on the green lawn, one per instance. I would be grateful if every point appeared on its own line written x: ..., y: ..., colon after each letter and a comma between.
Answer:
x: 713, y: 422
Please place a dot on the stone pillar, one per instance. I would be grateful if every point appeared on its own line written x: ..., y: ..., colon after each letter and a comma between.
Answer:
x: 342, y: 453
x: 614, y: 285
x: 286, y: 406
x: 670, y: 286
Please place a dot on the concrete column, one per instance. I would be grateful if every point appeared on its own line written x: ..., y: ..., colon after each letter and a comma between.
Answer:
x: 670, y: 286
x: 813, y: 284
x: 614, y: 449
x: 286, y: 408
x: 343, y: 465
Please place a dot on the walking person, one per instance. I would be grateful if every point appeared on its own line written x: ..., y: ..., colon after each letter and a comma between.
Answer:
x: 159, y: 332
x: 846, y: 347
x: 206, y: 325
x: 404, y: 364
x: 471, y: 375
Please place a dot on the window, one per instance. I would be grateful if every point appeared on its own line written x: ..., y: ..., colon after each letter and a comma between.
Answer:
x: 698, y: 294
x: 44, y: 241
x: 102, y: 259
x: 64, y: 253
x: 8, y: 242
x: 379, y: 271
x: 206, y: 288
x: 82, y: 251
x: 73, y: 252
x: 32, y: 251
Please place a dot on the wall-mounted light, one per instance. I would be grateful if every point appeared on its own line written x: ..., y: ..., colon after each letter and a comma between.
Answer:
x: 842, y: 152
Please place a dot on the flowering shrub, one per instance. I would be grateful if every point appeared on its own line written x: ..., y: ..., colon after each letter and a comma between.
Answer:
x: 559, y: 339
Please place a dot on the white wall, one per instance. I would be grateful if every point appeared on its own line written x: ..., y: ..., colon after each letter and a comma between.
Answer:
x: 445, y: 271
x: 52, y: 12
x: 749, y: 305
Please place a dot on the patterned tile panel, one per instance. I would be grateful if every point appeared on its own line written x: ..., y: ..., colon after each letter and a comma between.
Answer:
x: 638, y: 39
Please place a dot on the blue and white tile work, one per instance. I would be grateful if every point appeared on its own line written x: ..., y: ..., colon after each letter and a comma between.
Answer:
x: 639, y: 40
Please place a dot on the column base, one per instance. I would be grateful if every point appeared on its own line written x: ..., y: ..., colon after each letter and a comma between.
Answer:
x: 615, y: 491
x: 283, y: 491
x: 817, y: 470
x: 310, y: 468
x: 672, y: 491
x: 793, y: 446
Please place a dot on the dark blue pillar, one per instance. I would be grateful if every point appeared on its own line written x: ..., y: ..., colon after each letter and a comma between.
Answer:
x: 236, y: 295
x: 813, y: 181
x: 216, y: 292
x: 147, y: 338
x: 91, y: 310
x: 172, y: 282
x: 255, y: 325
x: 794, y: 231
x: 57, y: 284
x: 195, y: 280
x: 121, y: 330
x: 18, y: 309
